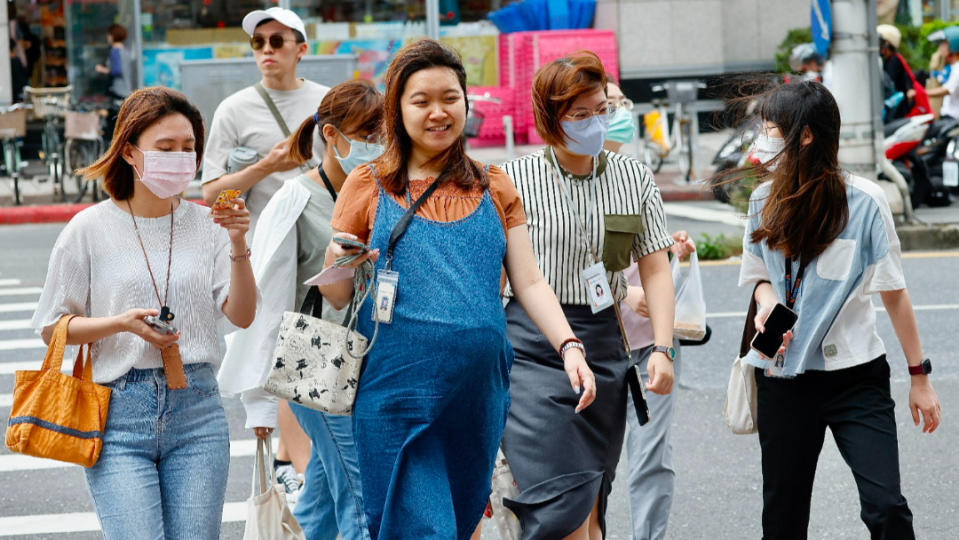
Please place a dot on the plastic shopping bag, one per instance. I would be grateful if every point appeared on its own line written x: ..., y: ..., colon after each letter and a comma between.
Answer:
x: 690, y: 322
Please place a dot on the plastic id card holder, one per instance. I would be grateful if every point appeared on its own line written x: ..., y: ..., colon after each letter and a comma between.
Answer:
x: 597, y: 287
x: 386, y: 283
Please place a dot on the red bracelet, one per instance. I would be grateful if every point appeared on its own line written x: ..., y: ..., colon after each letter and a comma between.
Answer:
x: 570, y: 340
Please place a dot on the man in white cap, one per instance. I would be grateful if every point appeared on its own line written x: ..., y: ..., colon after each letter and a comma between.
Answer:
x: 246, y: 120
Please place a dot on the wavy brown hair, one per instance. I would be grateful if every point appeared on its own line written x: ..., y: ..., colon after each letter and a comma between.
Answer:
x: 349, y: 106
x: 138, y: 112
x: 557, y: 85
x: 806, y: 208
x: 391, y: 167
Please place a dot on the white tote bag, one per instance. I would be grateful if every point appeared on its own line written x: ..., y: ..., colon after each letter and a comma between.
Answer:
x: 740, y: 408
x: 690, y: 321
x: 268, y: 516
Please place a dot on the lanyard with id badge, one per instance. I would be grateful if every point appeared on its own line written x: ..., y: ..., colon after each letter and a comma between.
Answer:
x: 597, y: 286
x: 387, y: 280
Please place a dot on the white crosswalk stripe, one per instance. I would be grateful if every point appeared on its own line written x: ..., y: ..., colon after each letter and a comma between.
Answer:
x: 21, y: 344
x: 18, y: 306
x: 9, y: 282
x: 38, y: 524
x: 6, y: 400
x: 15, y: 324
x: 20, y: 291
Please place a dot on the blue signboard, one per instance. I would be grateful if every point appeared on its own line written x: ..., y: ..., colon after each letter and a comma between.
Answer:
x: 820, y: 19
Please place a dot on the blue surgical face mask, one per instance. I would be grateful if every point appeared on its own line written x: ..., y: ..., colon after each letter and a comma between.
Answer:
x: 585, y: 137
x: 361, y: 152
x: 622, y: 128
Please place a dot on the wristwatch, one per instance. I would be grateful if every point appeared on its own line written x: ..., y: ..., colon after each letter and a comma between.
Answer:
x: 667, y: 350
x: 924, y: 368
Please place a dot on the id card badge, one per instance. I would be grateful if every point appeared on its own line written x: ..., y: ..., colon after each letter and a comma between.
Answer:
x: 597, y: 287
x: 386, y: 283
x: 775, y: 368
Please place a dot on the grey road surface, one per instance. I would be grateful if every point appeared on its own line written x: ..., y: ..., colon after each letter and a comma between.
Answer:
x: 719, y: 485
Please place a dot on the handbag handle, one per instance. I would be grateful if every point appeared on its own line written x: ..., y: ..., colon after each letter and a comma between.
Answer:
x: 749, y: 327
x: 54, y: 358
x: 263, y: 466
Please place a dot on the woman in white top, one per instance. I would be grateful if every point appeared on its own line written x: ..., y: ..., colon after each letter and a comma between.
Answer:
x: 823, y: 242
x: 146, y: 255
x: 588, y: 211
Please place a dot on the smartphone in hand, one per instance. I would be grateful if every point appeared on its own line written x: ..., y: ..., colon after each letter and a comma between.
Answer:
x: 160, y: 326
x: 781, y: 320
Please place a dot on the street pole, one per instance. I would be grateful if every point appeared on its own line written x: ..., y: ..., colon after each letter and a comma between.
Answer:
x: 6, y: 82
x: 855, y: 84
x: 433, y: 19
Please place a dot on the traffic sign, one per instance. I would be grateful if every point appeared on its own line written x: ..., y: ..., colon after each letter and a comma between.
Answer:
x: 820, y: 20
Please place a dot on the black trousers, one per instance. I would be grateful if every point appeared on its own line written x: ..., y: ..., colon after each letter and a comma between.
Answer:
x: 856, y: 405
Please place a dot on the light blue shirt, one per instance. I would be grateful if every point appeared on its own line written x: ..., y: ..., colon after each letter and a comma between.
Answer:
x: 836, y: 328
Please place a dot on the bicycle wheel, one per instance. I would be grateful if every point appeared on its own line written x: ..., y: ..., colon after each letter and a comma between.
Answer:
x: 652, y: 158
x: 79, y: 154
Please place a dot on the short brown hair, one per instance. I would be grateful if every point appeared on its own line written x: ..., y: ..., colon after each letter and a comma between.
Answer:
x: 391, y: 166
x: 354, y: 105
x: 117, y: 33
x: 140, y: 111
x: 557, y: 85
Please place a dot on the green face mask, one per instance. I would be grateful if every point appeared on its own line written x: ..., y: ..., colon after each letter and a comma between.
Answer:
x: 621, y: 127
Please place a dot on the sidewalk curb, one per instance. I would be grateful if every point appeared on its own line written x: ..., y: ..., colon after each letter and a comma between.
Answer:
x: 49, y: 213
x: 928, y: 237
x: 685, y: 195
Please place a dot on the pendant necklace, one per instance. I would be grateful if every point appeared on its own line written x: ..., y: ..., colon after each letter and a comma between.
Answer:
x: 165, y: 314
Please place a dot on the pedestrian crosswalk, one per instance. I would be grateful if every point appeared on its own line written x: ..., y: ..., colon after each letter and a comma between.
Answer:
x: 22, y: 349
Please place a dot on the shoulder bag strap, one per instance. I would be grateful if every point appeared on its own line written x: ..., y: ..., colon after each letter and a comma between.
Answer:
x: 749, y: 328
x: 313, y: 303
x: 272, y: 106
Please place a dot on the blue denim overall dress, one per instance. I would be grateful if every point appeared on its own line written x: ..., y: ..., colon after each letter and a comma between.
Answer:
x: 434, y: 392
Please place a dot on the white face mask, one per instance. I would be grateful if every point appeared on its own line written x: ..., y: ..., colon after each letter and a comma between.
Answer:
x: 167, y: 173
x: 765, y: 148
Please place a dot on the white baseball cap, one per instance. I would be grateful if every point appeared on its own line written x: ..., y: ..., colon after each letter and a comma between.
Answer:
x: 281, y: 15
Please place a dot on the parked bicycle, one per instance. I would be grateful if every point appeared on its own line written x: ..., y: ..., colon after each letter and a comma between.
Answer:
x: 13, y: 127
x: 83, y: 130
x: 659, y: 139
x: 50, y: 105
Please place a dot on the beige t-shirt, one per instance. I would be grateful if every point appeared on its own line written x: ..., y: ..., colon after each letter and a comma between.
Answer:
x: 243, y: 119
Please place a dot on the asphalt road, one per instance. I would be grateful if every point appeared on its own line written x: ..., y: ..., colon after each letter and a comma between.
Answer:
x: 718, y: 477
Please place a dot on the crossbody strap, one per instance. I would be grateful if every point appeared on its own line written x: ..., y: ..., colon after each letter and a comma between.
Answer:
x: 272, y: 106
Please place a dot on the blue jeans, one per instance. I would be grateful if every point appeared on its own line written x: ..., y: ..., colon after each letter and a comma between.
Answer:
x: 163, y: 468
x: 331, y: 500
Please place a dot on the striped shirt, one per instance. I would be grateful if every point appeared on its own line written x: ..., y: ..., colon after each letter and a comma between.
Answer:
x: 630, y: 222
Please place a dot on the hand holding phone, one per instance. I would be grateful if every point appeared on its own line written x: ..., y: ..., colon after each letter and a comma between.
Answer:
x: 224, y: 199
x: 160, y: 326
x: 351, y: 244
x: 780, y: 320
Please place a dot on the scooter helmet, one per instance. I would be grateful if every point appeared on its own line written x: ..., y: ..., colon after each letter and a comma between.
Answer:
x: 950, y: 35
x: 891, y: 34
x: 802, y: 53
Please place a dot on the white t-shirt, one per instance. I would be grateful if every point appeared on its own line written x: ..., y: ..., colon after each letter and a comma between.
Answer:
x: 244, y: 119
x: 97, y: 269
x: 950, y: 103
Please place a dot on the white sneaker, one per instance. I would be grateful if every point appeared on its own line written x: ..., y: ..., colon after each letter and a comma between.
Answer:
x: 291, y: 481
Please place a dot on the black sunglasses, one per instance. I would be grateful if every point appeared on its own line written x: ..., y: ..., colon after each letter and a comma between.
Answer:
x: 276, y: 42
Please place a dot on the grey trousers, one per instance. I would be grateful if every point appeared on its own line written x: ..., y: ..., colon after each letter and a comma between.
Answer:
x: 650, y: 450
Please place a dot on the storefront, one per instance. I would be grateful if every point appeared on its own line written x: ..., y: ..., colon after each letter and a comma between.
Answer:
x: 163, y: 33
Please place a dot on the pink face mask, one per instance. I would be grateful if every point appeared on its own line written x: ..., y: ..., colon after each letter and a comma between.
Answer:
x: 167, y: 173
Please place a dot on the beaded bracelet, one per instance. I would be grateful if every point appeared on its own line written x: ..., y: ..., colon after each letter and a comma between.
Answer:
x: 235, y: 258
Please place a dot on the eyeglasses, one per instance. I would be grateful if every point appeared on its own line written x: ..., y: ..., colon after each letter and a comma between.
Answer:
x: 371, y: 139
x: 581, y: 114
x: 276, y: 42
x: 621, y: 103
